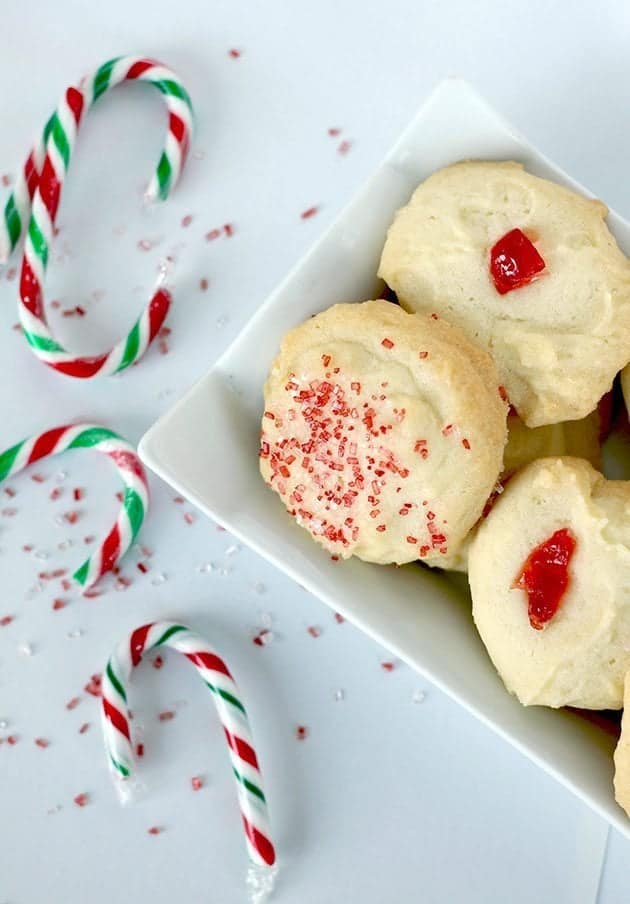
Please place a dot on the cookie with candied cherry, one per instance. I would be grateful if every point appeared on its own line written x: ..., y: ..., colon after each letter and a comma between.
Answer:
x: 528, y: 269
x: 383, y: 432
x: 549, y: 572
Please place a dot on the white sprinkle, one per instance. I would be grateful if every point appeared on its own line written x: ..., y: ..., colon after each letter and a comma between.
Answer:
x: 159, y: 578
x: 65, y: 544
x: 54, y: 810
x: 339, y: 695
x: 4, y: 723
x: 222, y: 321
x: 40, y: 554
x: 60, y: 520
x: 231, y: 550
x: 206, y: 567
x: 266, y: 637
x: 25, y: 649
x: 418, y: 696
x: 225, y: 571
x: 77, y: 632
x: 60, y: 476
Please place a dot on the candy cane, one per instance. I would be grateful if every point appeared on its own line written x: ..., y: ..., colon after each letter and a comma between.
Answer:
x: 217, y: 677
x: 37, y: 192
x: 135, y: 500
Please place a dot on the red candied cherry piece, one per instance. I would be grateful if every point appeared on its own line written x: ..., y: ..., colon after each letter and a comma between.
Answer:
x: 545, y: 576
x: 514, y: 262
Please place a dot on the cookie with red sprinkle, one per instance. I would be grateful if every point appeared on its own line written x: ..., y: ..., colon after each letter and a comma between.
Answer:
x: 549, y: 571
x: 526, y: 268
x: 383, y: 433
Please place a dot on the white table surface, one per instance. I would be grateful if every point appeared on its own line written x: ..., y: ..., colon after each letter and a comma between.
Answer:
x: 388, y: 798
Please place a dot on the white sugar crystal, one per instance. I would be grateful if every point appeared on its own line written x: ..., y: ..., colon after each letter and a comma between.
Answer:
x: 418, y: 696
x: 25, y: 649
x: 159, y: 578
x: 339, y: 695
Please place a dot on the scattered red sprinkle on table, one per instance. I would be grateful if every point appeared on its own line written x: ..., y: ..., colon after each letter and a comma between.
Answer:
x: 42, y: 742
x: 140, y: 750
x: 189, y: 518
x: 187, y: 220
x: 197, y: 783
x: 38, y: 478
x: 6, y: 180
x: 77, y: 494
x: 12, y: 740
x: 56, y: 493
x: 203, y: 284
x: 212, y: 235
x: 228, y: 229
x: 388, y: 666
x: 58, y: 604
x: 6, y: 620
x: 514, y: 262
x: 334, y: 132
x: 93, y: 686
x: 154, y: 830
x: 262, y: 638
x: 178, y: 500
x: 81, y: 799
x: 344, y: 147
x: 301, y: 732
x: 84, y: 728
x: 71, y: 517
x: 10, y: 492
x: 314, y: 631
x: 309, y: 212
x: 234, y: 53
x: 166, y: 715
x: 142, y: 567
x: 158, y: 662
x: 73, y: 703
x: 9, y: 512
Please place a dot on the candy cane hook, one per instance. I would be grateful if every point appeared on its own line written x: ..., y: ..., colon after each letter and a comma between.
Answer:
x: 135, y: 500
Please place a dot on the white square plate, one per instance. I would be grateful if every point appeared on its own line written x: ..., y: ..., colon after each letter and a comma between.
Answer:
x: 206, y: 448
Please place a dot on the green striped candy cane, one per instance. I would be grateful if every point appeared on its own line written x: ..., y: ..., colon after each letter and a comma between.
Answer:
x: 37, y: 194
x: 216, y: 675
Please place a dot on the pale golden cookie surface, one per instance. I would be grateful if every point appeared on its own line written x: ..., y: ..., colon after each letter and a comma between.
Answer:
x: 383, y: 432
x: 557, y: 342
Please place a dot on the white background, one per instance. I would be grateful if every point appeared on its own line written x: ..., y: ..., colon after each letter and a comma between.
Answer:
x: 387, y: 799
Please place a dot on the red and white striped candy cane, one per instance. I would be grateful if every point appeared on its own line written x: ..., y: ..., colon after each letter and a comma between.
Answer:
x: 227, y: 698
x: 134, y: 502
x: 37, y: 193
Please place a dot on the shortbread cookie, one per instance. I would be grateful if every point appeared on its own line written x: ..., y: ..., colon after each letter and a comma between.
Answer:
x: 622, y: 754
x: 383, y: 432
x: 549, y: 572
x: 577, y: 438
x: 527, y: 269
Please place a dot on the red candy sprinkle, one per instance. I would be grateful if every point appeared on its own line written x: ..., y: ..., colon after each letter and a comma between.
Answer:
x: 387, y: 666
x: 301, y: 732
x: 158, y: 662
x: 72, y: 704
x: 545, y: 576
x: 197, y: 783
x: 140, y: 750
x: 166, y: 715
x: 58, y: 604
x: 308, y: 213
x: 514, y: 262
x: 93, y: 686
x: 12, y: 740
x: 6, y: 620
x: 81, y: 800
x: 154, y: 830
x: 387, y: 343
x: 84, y: 728
x: 42, y: 742
x: 314, y: 631
x: 339, y: 618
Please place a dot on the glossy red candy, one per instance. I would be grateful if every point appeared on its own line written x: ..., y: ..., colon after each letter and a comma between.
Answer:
x: 545, y: 576
x: 514, y: 262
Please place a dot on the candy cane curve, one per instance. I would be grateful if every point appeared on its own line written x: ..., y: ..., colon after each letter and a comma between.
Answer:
x: 135, y: 499
x: 216, y: 675
x: 17, y: 209
x: 60, y: 135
